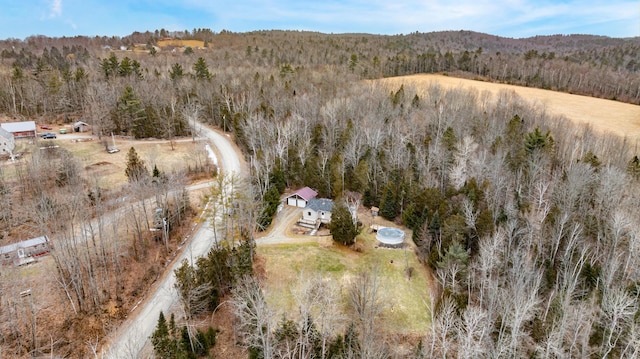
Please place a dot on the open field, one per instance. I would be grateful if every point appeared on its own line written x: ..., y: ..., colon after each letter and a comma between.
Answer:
x: 406, y: 301
x: 181, y: 43
x: 109, y: 168
x: 603, y: 115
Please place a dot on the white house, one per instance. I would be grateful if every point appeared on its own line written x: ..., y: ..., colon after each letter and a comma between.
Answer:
x: 317, y: 210
x: 301, y: 197
x: 24, y: 252
x: 7, y: 142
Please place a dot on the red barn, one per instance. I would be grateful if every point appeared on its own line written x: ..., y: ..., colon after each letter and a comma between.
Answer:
x: 24, y: 129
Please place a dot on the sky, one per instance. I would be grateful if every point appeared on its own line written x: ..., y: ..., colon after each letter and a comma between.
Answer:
x: 509, y: 18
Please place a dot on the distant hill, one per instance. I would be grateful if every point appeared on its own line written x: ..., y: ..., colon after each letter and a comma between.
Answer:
x: 591, y: 65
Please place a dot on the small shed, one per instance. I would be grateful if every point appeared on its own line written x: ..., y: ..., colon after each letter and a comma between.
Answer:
x: 318, y: 209
x: 301, y: 197
x: 375, y: 211
x: 24, y: 252
x: 24, y: 129
x: 80, y: 126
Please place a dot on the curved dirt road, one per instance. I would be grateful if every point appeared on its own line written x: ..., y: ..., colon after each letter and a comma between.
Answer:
x: 129, y: 341
x: 278, y: 234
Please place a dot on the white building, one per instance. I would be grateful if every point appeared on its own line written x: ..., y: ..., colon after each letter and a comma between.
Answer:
x: 7, y: 142
x: 301, y: 197
x: 317, y: 210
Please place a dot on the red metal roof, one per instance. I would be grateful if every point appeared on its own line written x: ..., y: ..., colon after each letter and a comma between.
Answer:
x: 305, y: 193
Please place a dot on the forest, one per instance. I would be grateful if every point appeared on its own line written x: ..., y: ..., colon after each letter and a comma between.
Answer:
x: 528, y: 226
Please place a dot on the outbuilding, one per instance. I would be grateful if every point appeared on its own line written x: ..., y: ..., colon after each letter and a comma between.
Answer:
x: 24, y: 129
x: 80, y: 126
x: 301, y: 197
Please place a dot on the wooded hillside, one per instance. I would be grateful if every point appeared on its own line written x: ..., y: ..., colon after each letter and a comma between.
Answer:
x: 530, y: 227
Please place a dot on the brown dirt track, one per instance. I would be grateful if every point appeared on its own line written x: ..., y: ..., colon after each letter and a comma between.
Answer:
x: 603, y: 115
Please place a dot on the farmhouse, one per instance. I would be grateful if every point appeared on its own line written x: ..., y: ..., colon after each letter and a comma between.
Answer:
x: 24, y: 252
x: 301, y: 197
x: 7, y: 142
x: 318, y: 210
x: 25, y: 129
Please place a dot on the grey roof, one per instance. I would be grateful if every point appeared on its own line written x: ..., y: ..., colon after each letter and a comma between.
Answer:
x: 5, y: 134
x: 320, y: 204
x: 19, y: 126
x: 24, y: 244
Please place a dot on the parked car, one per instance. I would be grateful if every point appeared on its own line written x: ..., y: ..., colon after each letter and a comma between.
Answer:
x: 45, y: 127
x: 48, y: 135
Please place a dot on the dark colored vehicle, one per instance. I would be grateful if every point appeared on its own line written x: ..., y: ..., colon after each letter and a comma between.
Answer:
x: 48, y: 135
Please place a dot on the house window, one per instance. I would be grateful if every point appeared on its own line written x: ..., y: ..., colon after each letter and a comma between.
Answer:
x: 309, y: 213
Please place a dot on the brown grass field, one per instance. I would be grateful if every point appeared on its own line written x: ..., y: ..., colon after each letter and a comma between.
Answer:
x: 180, y: 43
x: 603, y: 115
x: 109, y: 168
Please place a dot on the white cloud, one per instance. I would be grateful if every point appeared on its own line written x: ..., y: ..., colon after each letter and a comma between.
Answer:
x: 55, y: 8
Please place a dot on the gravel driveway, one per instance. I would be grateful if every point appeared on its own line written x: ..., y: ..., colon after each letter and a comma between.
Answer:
x: 280, y: 233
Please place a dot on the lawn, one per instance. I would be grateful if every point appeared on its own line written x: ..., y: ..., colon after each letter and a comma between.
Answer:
x: 405, y: 300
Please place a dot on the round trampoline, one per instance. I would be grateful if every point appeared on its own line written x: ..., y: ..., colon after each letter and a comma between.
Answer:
x: 390, y: 237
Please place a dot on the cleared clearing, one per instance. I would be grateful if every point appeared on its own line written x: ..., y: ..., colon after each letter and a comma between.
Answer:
x: 406, y: 301
x: 181, y: 43
x: 603, y: 115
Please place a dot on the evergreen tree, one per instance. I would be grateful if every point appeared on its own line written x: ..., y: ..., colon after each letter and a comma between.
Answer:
x: 537, y: 140
x: 176, y: 72
x: 164, y: 345
x: 129, y: 112
x: 389, y: 205
x: 342, y: 227
x: 110, y: 66
x: 156, y: 172
x: 125, y: 69
x: 270, y: 202
x: 201, y: 69
x: 136, y: 169
x: 633, y: 167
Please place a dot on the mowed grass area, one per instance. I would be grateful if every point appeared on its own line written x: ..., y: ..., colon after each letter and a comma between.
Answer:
x: 603, y: 115
x: 405, y: 301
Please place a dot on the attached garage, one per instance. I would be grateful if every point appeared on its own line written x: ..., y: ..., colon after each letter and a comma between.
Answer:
x: 300, y: 197
x: 296, y: 201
